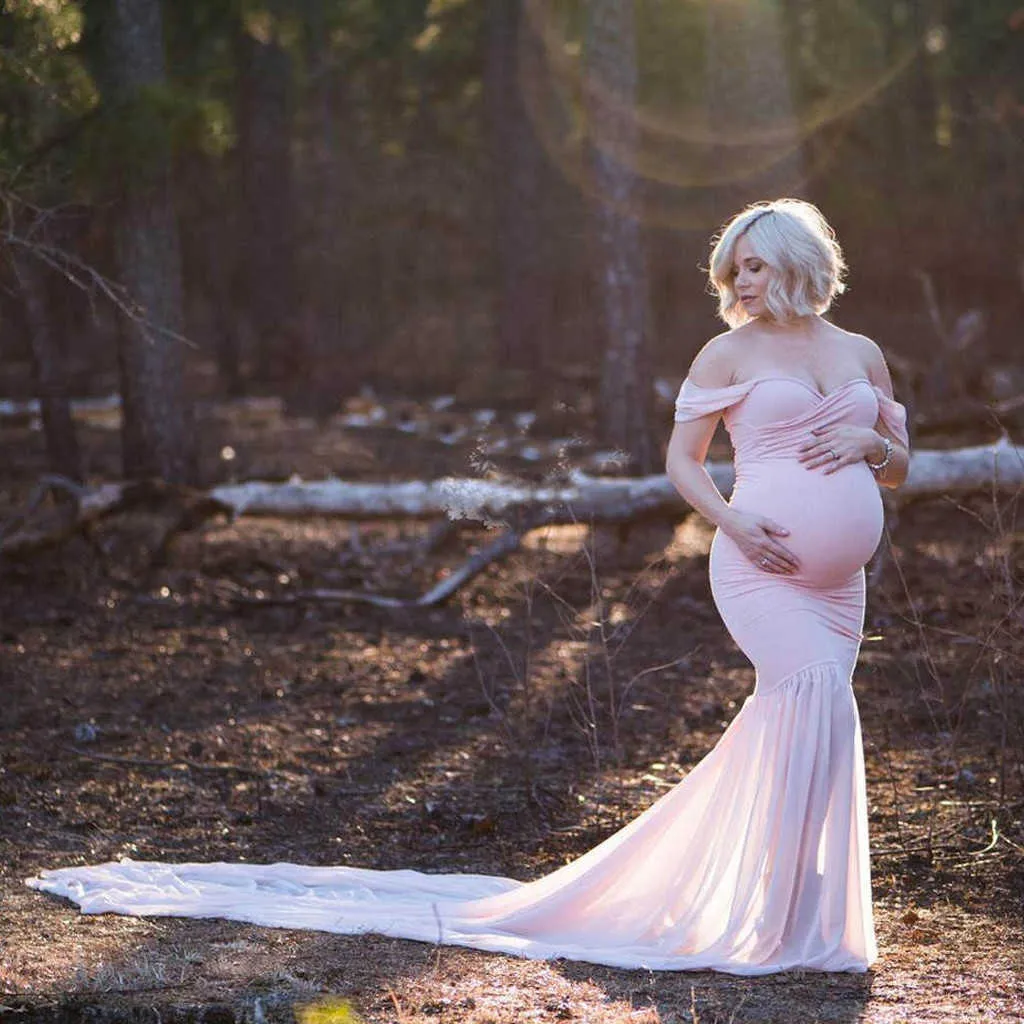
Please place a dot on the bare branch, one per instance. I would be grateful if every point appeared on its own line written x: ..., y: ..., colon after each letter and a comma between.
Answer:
x: 73, y: 268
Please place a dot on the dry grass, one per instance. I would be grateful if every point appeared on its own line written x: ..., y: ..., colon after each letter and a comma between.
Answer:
x: 946, y: 966
x: 505, y: 734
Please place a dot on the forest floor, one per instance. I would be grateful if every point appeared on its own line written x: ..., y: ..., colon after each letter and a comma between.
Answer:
x: 454, y: 739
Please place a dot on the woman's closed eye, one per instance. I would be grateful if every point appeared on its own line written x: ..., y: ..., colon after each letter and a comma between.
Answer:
x: 753, y: 268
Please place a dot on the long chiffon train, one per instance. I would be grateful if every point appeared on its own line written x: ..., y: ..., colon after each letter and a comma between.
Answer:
x: 756, y: 862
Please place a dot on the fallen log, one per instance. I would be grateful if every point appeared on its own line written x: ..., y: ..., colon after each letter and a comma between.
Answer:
x: 80, y: 506
x: 936, y: 472
x: 518, y: 508
x: 83, y: 506
x: 932, y: 472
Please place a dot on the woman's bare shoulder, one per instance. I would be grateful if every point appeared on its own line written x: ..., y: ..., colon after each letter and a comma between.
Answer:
x: 870, y: 354
x: 714, y: 365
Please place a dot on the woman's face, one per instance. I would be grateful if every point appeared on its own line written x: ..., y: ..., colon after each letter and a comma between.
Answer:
x: 750, y: 277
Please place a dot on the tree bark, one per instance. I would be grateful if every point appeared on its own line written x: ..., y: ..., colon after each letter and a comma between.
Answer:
x: 523, y: 300
x: 157, y: 436
x: 620, y: 265
x: 326, y: 343
x: 51, y: 386
x: 266, y: 241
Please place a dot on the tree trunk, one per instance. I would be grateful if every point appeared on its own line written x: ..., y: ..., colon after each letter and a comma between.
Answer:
x: 266, y: 197
x: 157, y: 433
x: 523, y: 306
x: 326, y: 343
x: 749, y: 96
x: 620, y: 266
x: 51, y: 387
x: 210, y: 218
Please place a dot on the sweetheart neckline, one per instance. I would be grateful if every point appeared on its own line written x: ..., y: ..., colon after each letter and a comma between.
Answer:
x: 823, y: 395
x: 810, y: 387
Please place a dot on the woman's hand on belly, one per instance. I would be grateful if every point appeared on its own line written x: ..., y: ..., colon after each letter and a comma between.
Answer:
x: 755, y: 535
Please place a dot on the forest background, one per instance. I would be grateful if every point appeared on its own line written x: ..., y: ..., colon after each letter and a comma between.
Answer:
x: 401, y: 195
x: 386, y: 240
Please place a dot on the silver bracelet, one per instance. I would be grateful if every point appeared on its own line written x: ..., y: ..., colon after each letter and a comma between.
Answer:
x: 889, y: 449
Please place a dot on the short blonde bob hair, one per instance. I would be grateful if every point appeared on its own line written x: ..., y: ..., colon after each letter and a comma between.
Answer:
x: 797, y: 244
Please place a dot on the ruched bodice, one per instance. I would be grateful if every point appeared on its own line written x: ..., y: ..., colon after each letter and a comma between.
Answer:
x: 765, y: 416
x: 836, y: 518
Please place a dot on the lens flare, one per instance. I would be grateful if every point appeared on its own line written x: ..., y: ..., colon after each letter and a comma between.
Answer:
x: 734, y: 99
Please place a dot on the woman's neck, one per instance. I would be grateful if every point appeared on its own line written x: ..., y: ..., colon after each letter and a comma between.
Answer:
x: 804, y: 326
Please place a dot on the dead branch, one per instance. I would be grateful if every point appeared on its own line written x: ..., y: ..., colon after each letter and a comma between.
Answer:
x: 72, y: 267
x: 492, y: 553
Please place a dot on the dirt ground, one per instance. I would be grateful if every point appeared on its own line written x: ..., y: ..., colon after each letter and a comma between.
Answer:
x: 157, y: 710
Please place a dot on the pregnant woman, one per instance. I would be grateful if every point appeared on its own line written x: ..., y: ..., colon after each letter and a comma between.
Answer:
x: 757, y: 861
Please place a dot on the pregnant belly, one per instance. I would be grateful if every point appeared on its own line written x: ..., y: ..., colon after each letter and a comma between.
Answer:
x: 834, y: 520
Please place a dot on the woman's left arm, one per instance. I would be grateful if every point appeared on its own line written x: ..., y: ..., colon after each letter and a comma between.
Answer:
x: 891, y: 423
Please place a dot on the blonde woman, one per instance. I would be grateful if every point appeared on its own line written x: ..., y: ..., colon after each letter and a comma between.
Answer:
x: 810, y: 412
x: 757, y: 861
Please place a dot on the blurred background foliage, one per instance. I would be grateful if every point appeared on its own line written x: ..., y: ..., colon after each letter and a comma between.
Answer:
x: 354, y: 182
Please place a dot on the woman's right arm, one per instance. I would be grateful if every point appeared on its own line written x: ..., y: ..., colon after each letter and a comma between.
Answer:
x: 688, y: 444
x: 684, y: 465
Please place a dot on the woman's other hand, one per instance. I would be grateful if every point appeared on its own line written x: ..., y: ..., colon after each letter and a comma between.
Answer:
x: 755, y: 537
x: 840, y: 445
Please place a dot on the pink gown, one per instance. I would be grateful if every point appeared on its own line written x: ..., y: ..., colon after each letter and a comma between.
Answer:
x: 756, y: 862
